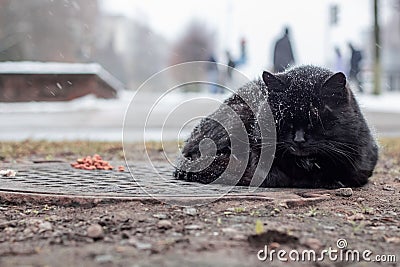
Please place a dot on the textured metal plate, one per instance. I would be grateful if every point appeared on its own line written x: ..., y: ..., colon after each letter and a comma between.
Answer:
x: 60, y: 184
x: 145, y: 180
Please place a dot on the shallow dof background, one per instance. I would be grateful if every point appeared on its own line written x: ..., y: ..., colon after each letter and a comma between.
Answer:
x: 132, y: 40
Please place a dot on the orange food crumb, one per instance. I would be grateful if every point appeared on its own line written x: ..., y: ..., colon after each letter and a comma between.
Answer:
x: 92, y: 163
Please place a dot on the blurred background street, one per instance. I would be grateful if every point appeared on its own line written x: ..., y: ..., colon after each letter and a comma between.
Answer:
x: 121, y: 43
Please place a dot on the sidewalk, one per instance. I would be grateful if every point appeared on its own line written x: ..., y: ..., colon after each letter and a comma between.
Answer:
x: 94, y: 119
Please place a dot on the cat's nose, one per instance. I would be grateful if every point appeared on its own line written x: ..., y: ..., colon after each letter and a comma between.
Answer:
x: 299, y: 136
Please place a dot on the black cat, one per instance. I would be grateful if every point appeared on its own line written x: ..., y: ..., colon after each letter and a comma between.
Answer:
x: 322, y: 138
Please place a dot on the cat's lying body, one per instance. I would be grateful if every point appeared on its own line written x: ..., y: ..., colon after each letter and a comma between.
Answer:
x: 322, y: 139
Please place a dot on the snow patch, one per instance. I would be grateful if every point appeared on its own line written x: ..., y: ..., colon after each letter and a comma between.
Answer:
x: 387, y: 102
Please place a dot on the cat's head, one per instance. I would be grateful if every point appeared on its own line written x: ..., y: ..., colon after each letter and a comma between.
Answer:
x: 313, y: 109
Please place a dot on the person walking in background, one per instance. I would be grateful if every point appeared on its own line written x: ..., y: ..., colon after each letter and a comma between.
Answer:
x: 213, y: 75
x: 339, y: 63
x: 232, y: 63
x: 283, y: 53
x: 243, y: 54
x: 354, y: 73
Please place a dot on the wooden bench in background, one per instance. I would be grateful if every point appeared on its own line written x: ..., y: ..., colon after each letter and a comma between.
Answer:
x: 23, y: 81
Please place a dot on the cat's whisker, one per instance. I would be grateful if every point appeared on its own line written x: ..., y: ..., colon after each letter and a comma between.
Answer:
x: 284, y: 152
x: 334, y: 157
x: 346, y: 145
x: 339, y: 155
x: 320, y: 120
x: 309, y: 117
x: 345, y: 152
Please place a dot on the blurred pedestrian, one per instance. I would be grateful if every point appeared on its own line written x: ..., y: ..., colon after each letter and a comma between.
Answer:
x: 213, y: 75
x: 354, y: 73
x: 231, y: 65
x: 283, y: 53
x: 234, y: 63
x: 243, y: 54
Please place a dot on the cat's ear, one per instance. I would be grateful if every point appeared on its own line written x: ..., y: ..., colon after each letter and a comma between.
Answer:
x: 334, y: 90
x: 273, y: 83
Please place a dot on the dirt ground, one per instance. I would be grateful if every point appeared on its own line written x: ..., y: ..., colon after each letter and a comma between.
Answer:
x: 223, y: 233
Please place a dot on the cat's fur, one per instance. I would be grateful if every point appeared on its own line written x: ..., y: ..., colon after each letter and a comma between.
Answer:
x: 322, y: 138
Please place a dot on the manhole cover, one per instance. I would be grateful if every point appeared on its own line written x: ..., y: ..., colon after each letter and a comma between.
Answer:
x: 55, y: 180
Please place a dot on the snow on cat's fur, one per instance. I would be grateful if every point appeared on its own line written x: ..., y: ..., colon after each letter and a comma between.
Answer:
x: 322, y: 138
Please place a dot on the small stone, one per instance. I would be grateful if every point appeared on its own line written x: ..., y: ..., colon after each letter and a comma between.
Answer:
x: 393, y: 239
x: 392, y: 213
x: 229, y: 230
x: 95, y: 231
x: 34, y: 222
x: 239, y: 237
x: 190, y: 211
x: 360, y: 199
x: 160, y: 216
x: 8, y: 173
x: 329, y: 228
x: 164, y: 224
x: 53, y: 218
x: 27, y: 231
x: 313, y: 243
x: 388, y: 187
x: 344, y: 192
x: 132, y: 241
x: 45, y: 226
x: 176, y: 234
x: 379, y: 227
x: 193, y: 227
x: 138, y: 244
x: 143, y: 246
x: 108, y: 239
x: 104, y: 258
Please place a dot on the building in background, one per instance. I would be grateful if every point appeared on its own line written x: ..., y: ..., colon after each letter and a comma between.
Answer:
x: 24, y: 81
x: 80, y: 31
x: 37, y: 30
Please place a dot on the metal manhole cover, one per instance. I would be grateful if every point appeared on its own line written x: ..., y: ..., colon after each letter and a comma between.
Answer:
x: 62, y: 179
x: 59, y: 179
